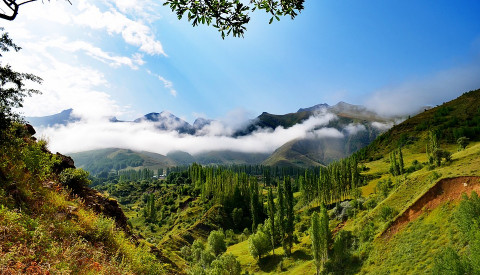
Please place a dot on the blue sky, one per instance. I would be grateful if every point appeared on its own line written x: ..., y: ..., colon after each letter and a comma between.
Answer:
x: 128, y: 58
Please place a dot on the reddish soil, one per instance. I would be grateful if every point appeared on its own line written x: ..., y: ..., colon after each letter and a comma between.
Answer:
x: 450, y: 189
x: 338, y: 228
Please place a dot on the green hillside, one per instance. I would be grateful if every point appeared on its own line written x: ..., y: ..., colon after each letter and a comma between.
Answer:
x: 450, y: 121
x: 310, y: 152
x: 114, y: 159
x: 52, y: 223
x: 405, y: 205
x: 389, y: 218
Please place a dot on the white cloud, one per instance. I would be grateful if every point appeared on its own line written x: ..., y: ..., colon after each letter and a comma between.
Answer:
x: 382, y: 126
x: 64, y: 86
x: 55, y: 46
x: 411, y: 96
x: 125, y: 18
x: 354, y: 128
x: 75, y: 46
x: 97, y: 134
x: 134, y: 32
x: 145, y: 9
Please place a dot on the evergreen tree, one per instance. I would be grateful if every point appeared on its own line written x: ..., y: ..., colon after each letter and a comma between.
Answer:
x: 324, y: 234
x: 153, y: 210
x: 289, y: 215
x: 254, y: 204
x: 271, y: 215
x: 281, y: 212
x: 400, y: 161
x: 315, y: 236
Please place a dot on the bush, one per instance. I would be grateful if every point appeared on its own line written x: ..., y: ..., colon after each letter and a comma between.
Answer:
x: 387, y: 213
x: 74, y: 178
x: 448, y: 262
x: 370, y: 203
x: 383, y: 187
x: 226, y: 264
x: 38, y: 162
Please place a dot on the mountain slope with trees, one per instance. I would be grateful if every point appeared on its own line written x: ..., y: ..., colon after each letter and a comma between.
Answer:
x: 265, y: 215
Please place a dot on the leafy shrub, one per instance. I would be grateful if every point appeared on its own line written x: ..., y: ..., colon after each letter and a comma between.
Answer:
x: 384, y: 187
x: 448, y: 262
x: 37, y: 160
x: 74, y: 178
x: 370, y: 203
x: 468, y: 214
x: 367, y: 232
x: 387, y: 213
x: 225, y: 264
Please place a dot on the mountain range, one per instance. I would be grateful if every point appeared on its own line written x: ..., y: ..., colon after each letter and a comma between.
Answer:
x: 352, y: 128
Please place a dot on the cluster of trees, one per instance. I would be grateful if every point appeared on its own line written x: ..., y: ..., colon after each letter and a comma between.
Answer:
x: 135, y: 175
x: 435, y: 155
x: 118, y: 162
x: 396, y: 162
x: 210, y: 258
x: 332, y: 183
x: 150, y: 211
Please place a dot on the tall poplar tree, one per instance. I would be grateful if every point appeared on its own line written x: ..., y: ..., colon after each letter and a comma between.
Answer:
x: 254, y: 205
x: 271, y: 215
x: 316, y: 238
x: 281, y: 211
x: 289, y: 215
x: 324, y: 234
x: 400, y: 161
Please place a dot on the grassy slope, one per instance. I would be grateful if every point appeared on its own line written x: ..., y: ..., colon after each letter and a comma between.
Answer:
x: 404, y: 253
x: 463, y: 112
x: 300, y: 262
x: 43, y: 229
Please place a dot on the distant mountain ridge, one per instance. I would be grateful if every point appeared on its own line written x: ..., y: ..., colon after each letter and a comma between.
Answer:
x: 313, y: 150
x: 63, y: 118
x: 104, y: 161
x: 168, y: 122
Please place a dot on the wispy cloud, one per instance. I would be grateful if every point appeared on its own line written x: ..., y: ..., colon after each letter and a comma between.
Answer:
x: 64, y: 86
x: 60, y: 41
x: 133, y: 32
x: 166, y: 83
x: 435, y: 89
x: 61, y: 44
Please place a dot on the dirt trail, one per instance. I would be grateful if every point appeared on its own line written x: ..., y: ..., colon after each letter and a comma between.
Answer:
x: 449, y: 189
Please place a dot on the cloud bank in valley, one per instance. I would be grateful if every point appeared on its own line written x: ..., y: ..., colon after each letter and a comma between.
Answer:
x: 96, y: 134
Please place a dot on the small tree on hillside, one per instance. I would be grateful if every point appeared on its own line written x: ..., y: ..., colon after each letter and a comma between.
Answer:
x: 12, y: 85
x: 216, y: 242
x: 258, y: 244
x: 462, y: 143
